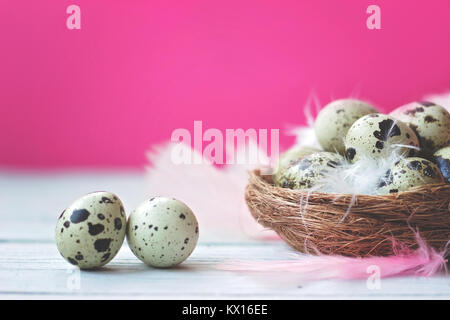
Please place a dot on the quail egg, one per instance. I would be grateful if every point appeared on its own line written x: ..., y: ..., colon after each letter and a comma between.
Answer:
x: 90, y: 232
x: 377, y: 135
x: 442, y: 159
x: 430, y: 121
x: 308, y: 171
x: 290, y: 156
x: 408, y: 173
x: 162, y: 232
x: 335, y: 119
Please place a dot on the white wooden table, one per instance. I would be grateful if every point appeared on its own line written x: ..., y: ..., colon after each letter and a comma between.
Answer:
x: 31, y: 267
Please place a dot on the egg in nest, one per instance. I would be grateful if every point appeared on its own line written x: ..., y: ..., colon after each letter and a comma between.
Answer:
x: 408, y: 173
x: 442, y: 159
x: 289, y: 157
x: 335, y: 119
x: 308, y: 171
x: 90, y: 232
x: 377, y: 136
x: 430, y: 121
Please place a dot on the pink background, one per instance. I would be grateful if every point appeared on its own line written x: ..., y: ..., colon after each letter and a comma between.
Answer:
x: 137, y: 70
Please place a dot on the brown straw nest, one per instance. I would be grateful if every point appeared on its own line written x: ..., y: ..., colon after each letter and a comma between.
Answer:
x: 368, y: 229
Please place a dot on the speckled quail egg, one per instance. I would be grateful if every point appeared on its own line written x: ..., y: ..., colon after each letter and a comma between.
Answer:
x: 308, y: 171
x: 335, y: 119
x: 378, y: 135
x: 429, y: 121
x: 90, y: 232
x: 290, y: 156
x: 162, y: 232
x: 442, y: 159
x: 408, y: 173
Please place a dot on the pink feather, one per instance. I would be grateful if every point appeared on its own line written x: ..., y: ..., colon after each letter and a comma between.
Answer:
x: 424, y: 261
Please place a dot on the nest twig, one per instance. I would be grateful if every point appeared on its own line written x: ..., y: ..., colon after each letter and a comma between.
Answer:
x: 322, y: 222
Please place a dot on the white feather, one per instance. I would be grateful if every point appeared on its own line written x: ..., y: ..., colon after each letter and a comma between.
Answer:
x: 216, y: 195
x: 305, y: 134
x: 441, y: 99
x: 362, y: 176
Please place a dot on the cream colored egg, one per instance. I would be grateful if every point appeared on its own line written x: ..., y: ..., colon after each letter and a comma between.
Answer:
x: 442, y: 159
x: 430, y: 121
x: 408, y: 173
x: 335, y: 119
x: 162, y: 232
x: 377, y: 136
x: 308, y: 171
x: 290, y: 156
x: 90, y: 232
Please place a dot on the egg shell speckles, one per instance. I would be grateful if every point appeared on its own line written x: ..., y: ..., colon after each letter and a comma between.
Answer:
x: 308, y: 171
x: 408, y: 173
x: 377, y: 136
x: 289, y: 157
x: 335, y: 119
x: 431, y: 123
x: 442, y: 159
x: 162, y: 232
x: 91, y: 231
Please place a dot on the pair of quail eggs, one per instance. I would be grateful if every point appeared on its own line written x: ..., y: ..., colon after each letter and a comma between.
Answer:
x: 351, y: 130
x: 161, y: 232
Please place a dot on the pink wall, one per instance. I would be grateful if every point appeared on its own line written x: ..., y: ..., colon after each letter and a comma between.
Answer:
x: 137, y: 70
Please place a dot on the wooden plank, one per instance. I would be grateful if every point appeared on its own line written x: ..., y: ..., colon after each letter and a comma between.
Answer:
x: 35, y: 270
x: 31, y: 267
